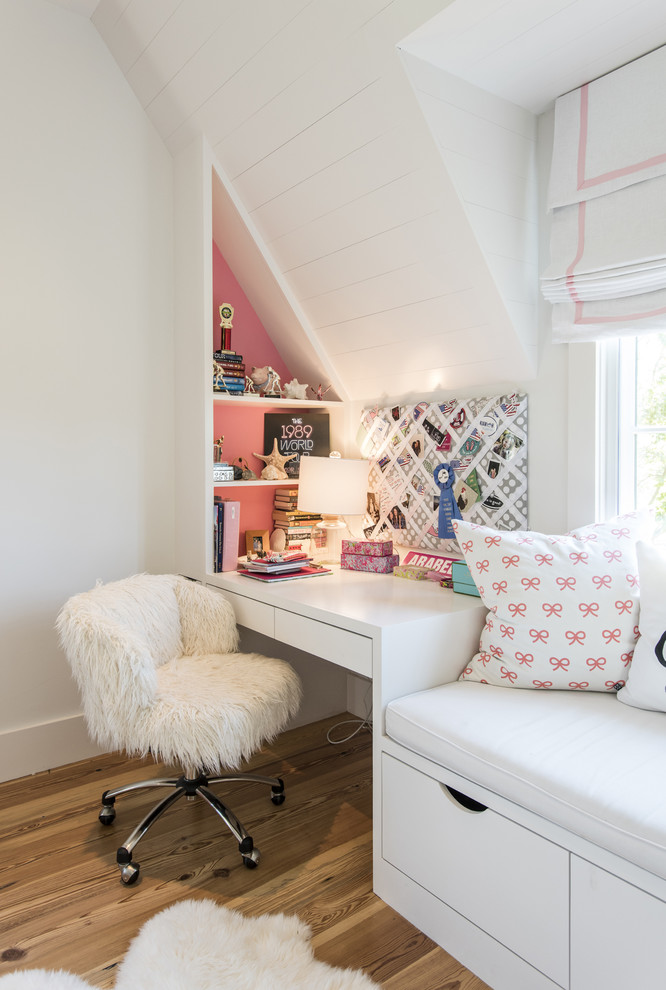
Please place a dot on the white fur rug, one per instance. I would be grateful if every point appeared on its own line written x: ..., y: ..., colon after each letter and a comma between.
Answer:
x: 197, y: 945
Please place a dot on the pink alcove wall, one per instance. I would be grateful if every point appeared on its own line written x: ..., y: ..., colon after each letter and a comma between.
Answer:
x: 243, y: 428
x: 248, y: 335
x: 243, y: 431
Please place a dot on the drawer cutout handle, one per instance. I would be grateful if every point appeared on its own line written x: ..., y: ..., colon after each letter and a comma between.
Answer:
x: 468, y: 803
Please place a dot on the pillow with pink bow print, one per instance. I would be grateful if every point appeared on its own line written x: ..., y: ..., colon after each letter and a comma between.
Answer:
x: 563, y: 610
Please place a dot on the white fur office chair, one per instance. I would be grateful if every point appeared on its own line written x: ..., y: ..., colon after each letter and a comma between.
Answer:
x: 155, y: 658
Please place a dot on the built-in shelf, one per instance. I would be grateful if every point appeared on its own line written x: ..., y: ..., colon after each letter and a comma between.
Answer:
x: 272, y: 400
x: 256, y: 483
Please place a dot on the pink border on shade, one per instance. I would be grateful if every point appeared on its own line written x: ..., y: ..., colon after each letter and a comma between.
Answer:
x: 579, y: 254
x: 578, y: 312
x: 580, y: 319
x: 584, y: 183
x: 596, y: 180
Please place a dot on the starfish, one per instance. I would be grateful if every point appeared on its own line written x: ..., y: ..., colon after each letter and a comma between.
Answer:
x: 275, y: 462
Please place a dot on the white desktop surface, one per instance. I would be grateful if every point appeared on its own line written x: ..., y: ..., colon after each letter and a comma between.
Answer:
x: 353, y: 600
x: 374, y: 625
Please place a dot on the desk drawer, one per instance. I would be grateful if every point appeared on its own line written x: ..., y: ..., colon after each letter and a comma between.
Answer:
x: 252, y: 614
x: 503, y: 878
x: 347, y: 649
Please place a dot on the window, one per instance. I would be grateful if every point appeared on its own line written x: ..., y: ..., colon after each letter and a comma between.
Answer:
x: 634, y: 373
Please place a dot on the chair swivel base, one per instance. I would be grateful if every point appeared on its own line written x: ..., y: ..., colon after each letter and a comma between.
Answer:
x: 190, y: 787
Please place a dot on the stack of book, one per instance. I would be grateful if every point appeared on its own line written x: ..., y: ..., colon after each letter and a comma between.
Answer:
x: 297, y: 526
x: 233, y: 367
x: 281, y: 567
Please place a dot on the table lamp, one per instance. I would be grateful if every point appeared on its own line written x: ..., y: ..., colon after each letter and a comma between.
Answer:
x: 336, y: 487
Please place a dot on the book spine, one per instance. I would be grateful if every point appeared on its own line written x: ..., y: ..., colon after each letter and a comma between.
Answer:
x: 230, y: 356
x: 231, y: 513
x: 215, y: 538
x: 232, y: 384
x: 232, y: 370
x: 294, y: 530
x: 296, y: 520
x: 219, y: 537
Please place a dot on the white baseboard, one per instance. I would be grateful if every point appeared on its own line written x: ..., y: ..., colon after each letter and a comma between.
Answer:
x: 42, y: 747
x: 34, y: 748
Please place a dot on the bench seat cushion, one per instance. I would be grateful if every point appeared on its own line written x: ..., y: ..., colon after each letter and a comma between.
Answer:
x: 582, y: 761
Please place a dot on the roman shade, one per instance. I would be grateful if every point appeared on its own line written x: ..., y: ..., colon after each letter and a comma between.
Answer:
x: 607, y: 196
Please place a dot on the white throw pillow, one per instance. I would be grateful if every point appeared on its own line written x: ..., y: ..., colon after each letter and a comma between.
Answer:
x: 563, y: 609
x: 646, y: 683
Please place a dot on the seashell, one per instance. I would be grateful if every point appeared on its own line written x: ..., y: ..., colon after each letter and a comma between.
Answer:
x: 294, y: 390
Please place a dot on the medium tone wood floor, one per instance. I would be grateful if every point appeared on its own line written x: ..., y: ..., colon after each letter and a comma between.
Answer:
x: 63, y: 905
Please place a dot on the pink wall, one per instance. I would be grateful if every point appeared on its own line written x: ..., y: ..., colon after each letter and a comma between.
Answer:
x: 248, y: 336
x: 243, y: 427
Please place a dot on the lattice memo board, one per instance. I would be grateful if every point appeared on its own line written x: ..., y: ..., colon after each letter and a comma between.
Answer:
x: 484, y: 441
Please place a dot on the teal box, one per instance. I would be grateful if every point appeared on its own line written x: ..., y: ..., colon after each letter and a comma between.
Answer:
x: 462, y: 588
x: 463, y: 582
x: 460, y: 572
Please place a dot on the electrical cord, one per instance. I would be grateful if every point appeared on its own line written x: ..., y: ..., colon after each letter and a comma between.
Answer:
x: 361, y: 723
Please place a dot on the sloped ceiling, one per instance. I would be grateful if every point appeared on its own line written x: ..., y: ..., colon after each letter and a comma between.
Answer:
x: 394, y: 251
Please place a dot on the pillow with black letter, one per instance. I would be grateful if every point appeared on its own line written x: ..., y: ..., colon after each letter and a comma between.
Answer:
x: 646, y: 680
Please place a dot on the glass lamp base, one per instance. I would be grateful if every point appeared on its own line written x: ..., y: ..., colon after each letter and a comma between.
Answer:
x: 335, y: 531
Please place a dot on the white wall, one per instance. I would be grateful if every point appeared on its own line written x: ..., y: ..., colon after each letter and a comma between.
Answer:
x: 488, y: 146
x: 86, y: 358
x: 547, y: 452
x: 557, y: 468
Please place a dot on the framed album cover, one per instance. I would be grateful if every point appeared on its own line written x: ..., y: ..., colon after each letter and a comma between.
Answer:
x: 304, y: 434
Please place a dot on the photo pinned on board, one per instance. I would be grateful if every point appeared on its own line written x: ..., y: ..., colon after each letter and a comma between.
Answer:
x: 508, y: 445
x: 493, y: 469
x: 417, y: 444
x: 465, y: 495
x: 493, y: 502
x: 396, y: 518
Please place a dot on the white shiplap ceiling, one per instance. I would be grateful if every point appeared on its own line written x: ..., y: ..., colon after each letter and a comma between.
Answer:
x: 531, y: 51
x: 322, y: 143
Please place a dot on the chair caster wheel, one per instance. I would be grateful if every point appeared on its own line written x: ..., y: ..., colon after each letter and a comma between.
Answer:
x: 129, y: 873
x: 107, y: 815
x: 251, y: 860
x: 277, y: 793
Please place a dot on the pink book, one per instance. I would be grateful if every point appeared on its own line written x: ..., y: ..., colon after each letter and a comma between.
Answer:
x: 230, y: 535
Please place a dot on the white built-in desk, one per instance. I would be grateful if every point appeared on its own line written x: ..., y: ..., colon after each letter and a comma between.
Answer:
x: 404, y: 635
x: 374, y: 625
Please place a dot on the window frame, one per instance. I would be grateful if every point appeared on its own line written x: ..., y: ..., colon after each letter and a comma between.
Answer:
x: 618, y: 426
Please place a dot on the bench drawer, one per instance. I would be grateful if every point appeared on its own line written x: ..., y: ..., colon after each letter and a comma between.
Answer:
x: 508, y: 881
x: 348, y: 649
x: 616, y: 931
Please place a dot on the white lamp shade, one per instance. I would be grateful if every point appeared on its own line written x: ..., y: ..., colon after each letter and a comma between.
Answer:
x: 333, y: 485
